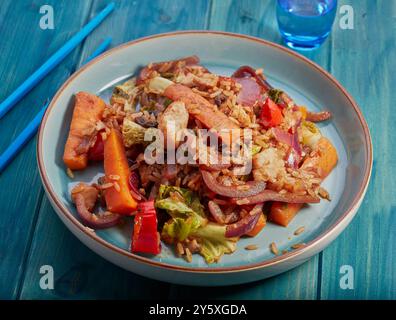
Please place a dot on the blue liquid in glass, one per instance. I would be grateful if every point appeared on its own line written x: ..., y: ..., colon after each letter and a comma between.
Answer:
x: 305, y: 24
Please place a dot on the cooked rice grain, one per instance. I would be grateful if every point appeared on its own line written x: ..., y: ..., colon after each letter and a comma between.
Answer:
x: 251, y: 247
x: 106, y: 185
x: 298, y: 245
x: 117, y: 186
x: 299, y: 231
x: 274, y: 248
x: 70, y: 173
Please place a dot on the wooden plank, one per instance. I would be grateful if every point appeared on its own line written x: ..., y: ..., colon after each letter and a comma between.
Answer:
x: 136, y: 19
x: 257, y: 18
x: 24, y: 47
x: 299, y: 283
x: 363, y: 61
x: 79, y: 272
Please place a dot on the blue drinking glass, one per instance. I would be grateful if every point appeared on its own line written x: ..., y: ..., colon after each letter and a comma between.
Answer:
x: 305, y: 24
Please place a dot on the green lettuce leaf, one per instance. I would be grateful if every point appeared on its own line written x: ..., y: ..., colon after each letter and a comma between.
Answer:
x: 191, y: 200
x: 186, y: 211
x: 179, y: 229
x: 175, y: 208
x: 188, y: 220
x: 165, y: 191
x: 213, y: 241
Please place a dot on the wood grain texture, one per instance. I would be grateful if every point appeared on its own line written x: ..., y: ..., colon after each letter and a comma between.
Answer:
x: 364, y: 62
x: 80, y: 273
x: 31, y: 233
x: 297, y: 284
x: 21, y: 191
x: 136, y: 19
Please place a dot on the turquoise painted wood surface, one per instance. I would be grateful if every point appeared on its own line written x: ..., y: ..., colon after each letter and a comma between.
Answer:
x: 21, y: 192
x: 32, y: 235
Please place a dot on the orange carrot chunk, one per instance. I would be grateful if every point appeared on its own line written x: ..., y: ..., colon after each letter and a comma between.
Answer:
x: 88, y: 109
x: 282, y: 213
x: 321, y: 162
x: 118, y: 197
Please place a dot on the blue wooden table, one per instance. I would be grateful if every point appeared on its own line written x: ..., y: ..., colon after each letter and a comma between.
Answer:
x: 31, y: 235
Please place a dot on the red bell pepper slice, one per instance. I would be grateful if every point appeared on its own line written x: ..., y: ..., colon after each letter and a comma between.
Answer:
x: 271, y: 114
x: 146, y: 238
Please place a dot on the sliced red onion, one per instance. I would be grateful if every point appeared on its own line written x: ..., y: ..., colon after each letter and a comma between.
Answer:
x: 134, y: 182
x: 247, y: 72
x: 245, y: 225
x: 250, y: 92
x: 288, y: 138
x: 269, y: 195
x: 232, y: 217
x: 318, y: 116
x: 293, y: 157
x: 216, y: 212
x: 283, y: 136
x: 94, y: 221
x: 221, y: 202
x: 249, y: 189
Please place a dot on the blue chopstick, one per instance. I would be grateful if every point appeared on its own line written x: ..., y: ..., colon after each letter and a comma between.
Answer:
x: 31, y: 129
x: 102, y: 47
x: 53, y: 61
x: 17, y: 145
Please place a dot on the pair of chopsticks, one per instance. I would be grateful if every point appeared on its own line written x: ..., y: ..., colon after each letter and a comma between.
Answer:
x: 13, y: 149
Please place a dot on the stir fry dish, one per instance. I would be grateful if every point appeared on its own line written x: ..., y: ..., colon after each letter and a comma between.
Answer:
x: 195, y: 159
